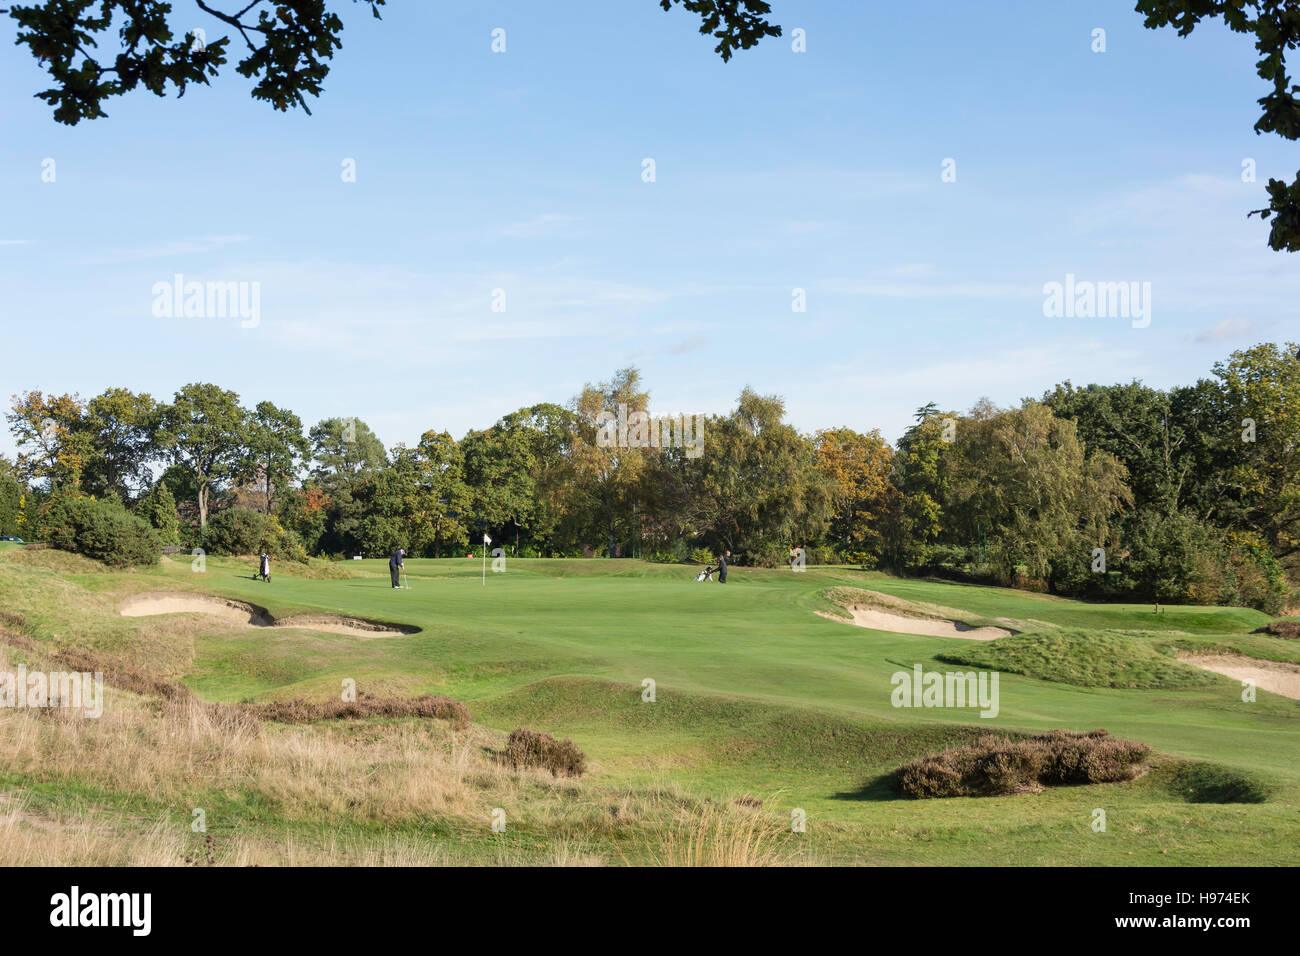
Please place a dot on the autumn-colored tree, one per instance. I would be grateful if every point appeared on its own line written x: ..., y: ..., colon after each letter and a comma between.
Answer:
x: 53, y: 444
x: 860, y: 468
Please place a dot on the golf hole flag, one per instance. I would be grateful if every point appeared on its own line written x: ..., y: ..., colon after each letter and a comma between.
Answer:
x: 486, y: 542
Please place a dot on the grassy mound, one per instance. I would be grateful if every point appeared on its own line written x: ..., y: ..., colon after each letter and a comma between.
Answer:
x: 1081, y: 658
x: 1202, y: 782
x: 997, y: 766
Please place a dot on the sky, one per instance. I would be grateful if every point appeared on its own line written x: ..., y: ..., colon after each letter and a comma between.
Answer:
x: 516, y: 179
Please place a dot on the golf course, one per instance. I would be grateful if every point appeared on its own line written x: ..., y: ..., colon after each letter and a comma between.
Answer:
x: 746, y: 723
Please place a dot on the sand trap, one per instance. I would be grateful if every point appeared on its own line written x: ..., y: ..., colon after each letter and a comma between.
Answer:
x: 1274, y: 676
x: 250, y: 615
x: 878, y: 620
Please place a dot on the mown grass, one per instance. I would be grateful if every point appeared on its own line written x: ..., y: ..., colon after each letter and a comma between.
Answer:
x: 756, y: 697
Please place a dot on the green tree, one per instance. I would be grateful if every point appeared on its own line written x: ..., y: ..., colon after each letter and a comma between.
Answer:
x: 157, y: 506
x: 1275, y: 25
x: 204, y: 430
x: 120, y: 426
x: 607, y: 474
x: 290, y: 44
x: 276, y: 449
x: 1261, y: 389
x: 760, y: 491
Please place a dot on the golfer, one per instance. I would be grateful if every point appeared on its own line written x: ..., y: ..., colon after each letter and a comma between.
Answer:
x: 396, y: 566
x: 265, y: 569
x: 722, y: 567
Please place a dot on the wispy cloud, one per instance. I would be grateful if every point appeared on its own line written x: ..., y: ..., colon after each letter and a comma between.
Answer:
x: 1223, y: 331
x: 179, y: 247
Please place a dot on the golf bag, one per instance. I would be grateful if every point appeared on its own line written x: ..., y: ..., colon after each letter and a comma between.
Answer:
x: 706, y: 574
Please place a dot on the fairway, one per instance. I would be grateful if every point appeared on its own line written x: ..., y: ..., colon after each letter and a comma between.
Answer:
x: 755, y: 695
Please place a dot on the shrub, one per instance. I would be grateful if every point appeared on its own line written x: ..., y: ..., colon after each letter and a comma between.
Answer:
x: 997, y: 766
x: 1287, y: 629
x: 244, y: 531
x: 702, y: 556
x: 529, y: 748
x: 103, y: 530
x: 158, y: 507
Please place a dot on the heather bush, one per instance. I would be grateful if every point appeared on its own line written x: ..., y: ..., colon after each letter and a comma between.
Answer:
x: 529, y: 748
x: 997, y: 766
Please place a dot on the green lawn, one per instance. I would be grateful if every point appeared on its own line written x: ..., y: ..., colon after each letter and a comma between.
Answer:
x: 757, y: 694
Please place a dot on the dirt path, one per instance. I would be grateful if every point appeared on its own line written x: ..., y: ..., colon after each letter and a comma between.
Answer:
x: 878, y: 620
x: 243, y: 614
x: 1273, y: 676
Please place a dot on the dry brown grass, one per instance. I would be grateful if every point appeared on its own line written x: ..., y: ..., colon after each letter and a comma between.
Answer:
x: 717, y: 834
x: 299, y: 711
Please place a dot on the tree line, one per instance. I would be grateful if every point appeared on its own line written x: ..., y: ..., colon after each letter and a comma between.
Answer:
x: 1189, y: 494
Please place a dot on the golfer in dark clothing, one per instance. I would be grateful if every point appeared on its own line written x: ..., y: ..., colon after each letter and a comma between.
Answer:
x: 396, y: 566
x: 722, y: 567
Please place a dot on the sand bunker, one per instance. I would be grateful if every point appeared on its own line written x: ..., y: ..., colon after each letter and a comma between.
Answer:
x: 1274, y: 676
x: 250, y: 615
x: 878, y: 620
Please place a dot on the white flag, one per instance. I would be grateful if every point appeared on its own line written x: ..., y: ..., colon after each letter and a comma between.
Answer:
x: 486, y: 539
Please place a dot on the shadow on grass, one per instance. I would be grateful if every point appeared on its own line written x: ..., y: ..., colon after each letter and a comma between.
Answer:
x: 876, y: 789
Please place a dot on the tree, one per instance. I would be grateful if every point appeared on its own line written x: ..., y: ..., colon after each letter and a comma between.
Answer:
x: 290, y: 44
x: 158, y: 507
x: 13, y: 500
x: 276, y: 448
x: 606, y: 476
x: 53, y: 445
x: 343, y: 449
x: 346, y: 455
x: 1261, y: 389
x: 1046, y: 500
x: 204, y: 429
x: 418, y: 501
x: 759, y: 489
x: 120, y: 426
x: 1276, y: 27
x: 1140, y: 427
x: 860, y: 469
x: 921, y: 467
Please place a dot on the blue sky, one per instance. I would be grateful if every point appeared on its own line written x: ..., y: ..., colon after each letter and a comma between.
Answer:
x: 779, y: 170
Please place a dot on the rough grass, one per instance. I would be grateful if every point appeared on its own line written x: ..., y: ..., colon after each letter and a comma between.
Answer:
x: 1083, y: 658
x: 998, y: 766
x: 299, y: 711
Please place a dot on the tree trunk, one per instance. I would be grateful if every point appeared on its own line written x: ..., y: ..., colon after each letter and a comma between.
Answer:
x: 203, y: 506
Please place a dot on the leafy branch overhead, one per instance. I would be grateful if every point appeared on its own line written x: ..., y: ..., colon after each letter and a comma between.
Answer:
x: 288, y: 46
x: 1276, y: 27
